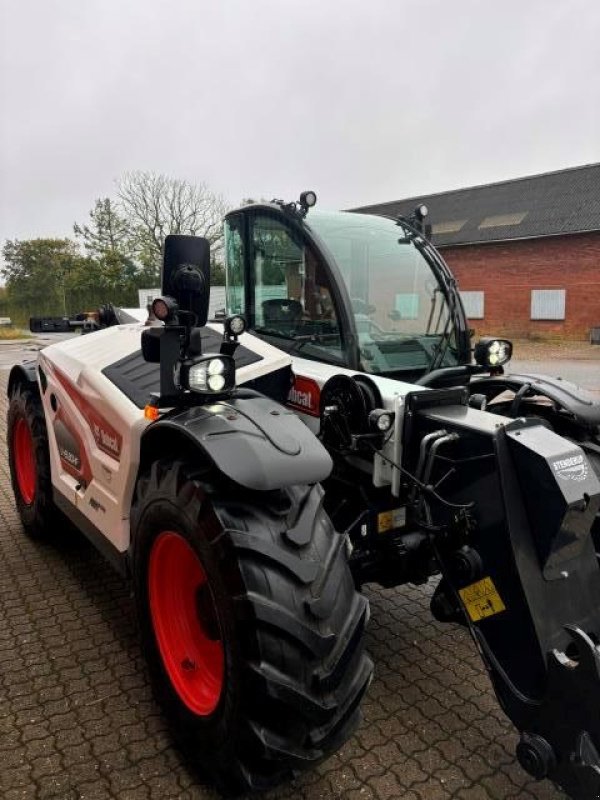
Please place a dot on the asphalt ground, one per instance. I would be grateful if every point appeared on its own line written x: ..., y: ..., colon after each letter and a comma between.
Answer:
x: 77, y: 718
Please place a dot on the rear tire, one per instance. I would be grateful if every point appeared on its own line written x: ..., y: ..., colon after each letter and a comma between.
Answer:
x: 595, y: 462
x: 261, y: 669
x: 29, y: 461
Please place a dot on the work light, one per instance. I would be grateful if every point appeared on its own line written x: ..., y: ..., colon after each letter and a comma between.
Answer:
x: 208, y: 374
x: 492, y: 352
x: 235, y: 326
x: 308, y: 199
x: 164, y: 308
x: 381, y: 420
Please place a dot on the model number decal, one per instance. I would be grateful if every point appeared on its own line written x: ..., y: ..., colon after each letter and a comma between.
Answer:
x: 571, y: 469
x: 305, y: 395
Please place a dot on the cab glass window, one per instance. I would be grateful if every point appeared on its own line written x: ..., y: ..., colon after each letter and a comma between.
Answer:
x: 401, y: 313
x: 234, y: 260
x: 292, y: 297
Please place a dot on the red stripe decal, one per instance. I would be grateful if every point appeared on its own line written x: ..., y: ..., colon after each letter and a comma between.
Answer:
x: 107, y: 438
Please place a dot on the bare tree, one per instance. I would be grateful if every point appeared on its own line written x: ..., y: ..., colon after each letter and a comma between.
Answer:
x: 156, y: 205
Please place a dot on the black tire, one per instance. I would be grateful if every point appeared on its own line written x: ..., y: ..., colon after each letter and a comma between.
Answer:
x: 35, y: 505
x: 595, y: 462
x: 289, y: 619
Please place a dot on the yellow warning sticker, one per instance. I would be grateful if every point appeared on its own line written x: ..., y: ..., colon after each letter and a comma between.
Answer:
x: 482, y: 600
x: 384, y: 521
x: 388, y: 520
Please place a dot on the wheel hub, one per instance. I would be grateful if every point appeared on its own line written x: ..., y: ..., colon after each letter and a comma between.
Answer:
x: 24, y: 460
x: 186, y: 623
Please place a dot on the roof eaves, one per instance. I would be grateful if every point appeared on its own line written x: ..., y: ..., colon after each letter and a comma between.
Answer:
x: 441, y: 245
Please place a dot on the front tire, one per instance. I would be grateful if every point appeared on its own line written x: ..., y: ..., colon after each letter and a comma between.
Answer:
x: 251, y: 624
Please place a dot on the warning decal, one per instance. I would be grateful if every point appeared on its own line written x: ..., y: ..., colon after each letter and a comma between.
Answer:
x: 482, y: 600
x: 388, y: 520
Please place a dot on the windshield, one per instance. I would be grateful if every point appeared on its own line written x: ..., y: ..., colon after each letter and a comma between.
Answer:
x: 402, y: 317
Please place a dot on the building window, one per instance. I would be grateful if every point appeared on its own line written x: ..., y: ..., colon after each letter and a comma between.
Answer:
x: 406, y: 306
x: 548, y: 303
x: 501, y: 220
x: 453, y: 226
x: 474, y: 303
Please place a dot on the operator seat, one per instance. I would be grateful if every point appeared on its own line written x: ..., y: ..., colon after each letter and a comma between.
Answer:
x: 282, y: 314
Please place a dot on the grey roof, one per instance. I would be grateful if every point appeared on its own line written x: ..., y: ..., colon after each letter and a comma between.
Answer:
x: 554, y: 203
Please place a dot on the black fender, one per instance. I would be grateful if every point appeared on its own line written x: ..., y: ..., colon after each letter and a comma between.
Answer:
x: 249, y: 438
x: 24, y: 373
x: 582, y: 405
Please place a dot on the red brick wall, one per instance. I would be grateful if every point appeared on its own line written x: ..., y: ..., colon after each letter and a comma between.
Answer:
x: 508, y: 272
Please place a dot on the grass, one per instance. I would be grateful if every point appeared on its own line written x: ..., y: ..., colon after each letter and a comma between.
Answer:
x: 8, y: 334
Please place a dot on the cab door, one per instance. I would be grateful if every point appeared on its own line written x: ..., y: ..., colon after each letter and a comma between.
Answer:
x: 285, y: 286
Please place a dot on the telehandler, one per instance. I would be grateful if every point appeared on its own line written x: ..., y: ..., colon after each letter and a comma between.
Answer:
x: 335, y: 428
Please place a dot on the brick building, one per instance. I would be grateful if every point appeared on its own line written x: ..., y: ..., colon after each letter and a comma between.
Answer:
x: 526, y: 252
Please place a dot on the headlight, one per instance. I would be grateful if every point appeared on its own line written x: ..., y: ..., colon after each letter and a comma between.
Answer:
x: 208, y: 374
x: 493, y: 352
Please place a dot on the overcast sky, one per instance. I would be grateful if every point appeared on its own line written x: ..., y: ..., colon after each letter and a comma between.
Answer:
x: 362, y: 101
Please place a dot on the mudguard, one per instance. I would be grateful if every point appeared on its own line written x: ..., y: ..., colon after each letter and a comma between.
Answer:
x: 581, y: 404
x: 22, y: 373
x: 251, y: 439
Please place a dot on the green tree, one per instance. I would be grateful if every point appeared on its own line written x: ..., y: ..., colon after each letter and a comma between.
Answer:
x: 109, y: 243
x: 107, y: 232
x: 40, y: 273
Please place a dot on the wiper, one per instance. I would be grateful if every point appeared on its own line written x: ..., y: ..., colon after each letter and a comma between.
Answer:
x: 436, y: 291
x: 438, y: 353
x: 409, y: 233
x: 300, y: 340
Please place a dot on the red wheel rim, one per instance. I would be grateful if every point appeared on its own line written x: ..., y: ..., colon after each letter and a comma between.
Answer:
x: 24, y: 460
x: 185, y: 623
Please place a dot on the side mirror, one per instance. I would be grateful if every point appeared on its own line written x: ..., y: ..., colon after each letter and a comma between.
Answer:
x: 186, y: 275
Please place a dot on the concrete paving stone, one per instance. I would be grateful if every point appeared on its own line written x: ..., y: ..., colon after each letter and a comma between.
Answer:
x: 24, y: 793
x: 431, y: 790
x: 139, y: 793
x: 13, y: 758
x: 42, y: 767
x: 367, y: 766
x: 409, y: 771
x: 164, y: 786
x: 341, y: 782
x: 145, y: 748
x: 386, y: 786
x: 94, y: 790
x: 473, y: 792
x: 364, y: 793
x: 18, y: 776
x: 452, y: 778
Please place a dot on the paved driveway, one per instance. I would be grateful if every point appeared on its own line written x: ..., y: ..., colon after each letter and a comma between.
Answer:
x: 77, y: 719
x: 585, y: 373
